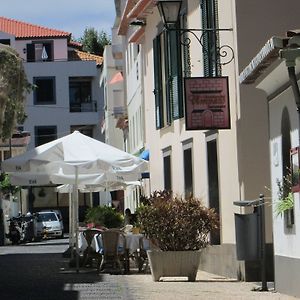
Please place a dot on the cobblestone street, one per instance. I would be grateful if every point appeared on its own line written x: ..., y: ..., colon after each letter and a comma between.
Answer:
x: 37, y: 271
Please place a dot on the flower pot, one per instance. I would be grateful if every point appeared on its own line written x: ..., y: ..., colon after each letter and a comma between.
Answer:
x: 174, y: 264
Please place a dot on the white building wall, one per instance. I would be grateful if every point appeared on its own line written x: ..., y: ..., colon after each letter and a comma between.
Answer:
x: 286, y: 242
x: 113, y: 96
x: 135, y: 110
x: 175, y: 135
x: 135, y: 99
x: 286, y: 239
x: 4, y: 36
x: 60, y: 48
x: 59, y: 114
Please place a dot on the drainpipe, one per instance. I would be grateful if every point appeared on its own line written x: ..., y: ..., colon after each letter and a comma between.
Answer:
x: 290, y: 55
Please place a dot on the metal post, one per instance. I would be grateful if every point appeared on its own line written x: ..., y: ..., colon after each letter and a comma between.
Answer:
x: 10, y: 148
x: 264, y: 285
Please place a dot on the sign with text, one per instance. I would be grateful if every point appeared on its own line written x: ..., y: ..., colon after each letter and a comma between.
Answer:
x: 207, y: 103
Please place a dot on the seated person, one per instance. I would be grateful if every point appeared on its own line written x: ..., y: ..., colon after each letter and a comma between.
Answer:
x: 127, y: 217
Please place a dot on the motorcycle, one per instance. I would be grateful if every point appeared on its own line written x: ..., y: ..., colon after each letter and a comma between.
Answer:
x: 14, y: 231
x: 27, y: 226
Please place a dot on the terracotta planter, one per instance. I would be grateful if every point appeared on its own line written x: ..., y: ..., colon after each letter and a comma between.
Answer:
x: 174, y: 264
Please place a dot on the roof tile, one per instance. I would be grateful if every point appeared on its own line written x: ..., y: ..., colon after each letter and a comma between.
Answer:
x: 81, y: 55
x: 26, y: 30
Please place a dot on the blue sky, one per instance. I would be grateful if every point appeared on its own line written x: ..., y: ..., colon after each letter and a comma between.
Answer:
x: 71, y: 16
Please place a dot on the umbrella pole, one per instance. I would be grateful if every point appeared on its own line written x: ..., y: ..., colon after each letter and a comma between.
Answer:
x: 75, y: 191
x: 91, y: 199
x: 71, y: 234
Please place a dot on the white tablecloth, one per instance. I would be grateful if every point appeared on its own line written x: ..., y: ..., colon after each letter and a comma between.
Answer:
x: 82, y: 243
x: 132, y: 242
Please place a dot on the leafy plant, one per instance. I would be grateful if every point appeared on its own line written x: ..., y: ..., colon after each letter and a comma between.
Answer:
x: 5, y: 185
x: 13, y: 89
x: 176, y: 224
x: 104, y: 216
x: 285, y: 196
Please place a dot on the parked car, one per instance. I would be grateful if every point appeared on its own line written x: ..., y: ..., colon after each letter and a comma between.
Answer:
x: 49, y: 224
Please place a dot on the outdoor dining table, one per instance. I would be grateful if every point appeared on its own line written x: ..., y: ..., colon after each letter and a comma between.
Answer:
x: 132, y: 244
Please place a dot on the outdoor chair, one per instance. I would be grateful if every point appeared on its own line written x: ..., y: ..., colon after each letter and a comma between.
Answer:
x: 90, y: 253
x: 114, y: 251
x: 141, y: 256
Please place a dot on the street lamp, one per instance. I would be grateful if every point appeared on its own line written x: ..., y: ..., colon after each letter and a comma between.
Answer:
x: 169, y: 11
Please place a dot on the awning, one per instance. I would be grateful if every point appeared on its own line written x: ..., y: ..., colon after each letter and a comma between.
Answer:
x: 118, y: 77
x: 145, y: 154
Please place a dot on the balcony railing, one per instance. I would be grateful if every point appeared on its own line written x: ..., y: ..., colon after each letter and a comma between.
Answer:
x: 83, y: 107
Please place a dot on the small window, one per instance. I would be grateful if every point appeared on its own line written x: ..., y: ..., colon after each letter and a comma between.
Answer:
x: 5, y: 41
x: 44, y: 92
x: 41, y: 51
x: 45, y: 134
x: 188, y: 169
x: 80, y: 93
x: 167, y: 170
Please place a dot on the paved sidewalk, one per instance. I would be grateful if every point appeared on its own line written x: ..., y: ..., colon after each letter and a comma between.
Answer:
x: 39, y: 272
x: 141, y: 286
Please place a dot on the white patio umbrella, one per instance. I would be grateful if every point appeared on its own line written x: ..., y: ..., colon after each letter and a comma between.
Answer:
x: 88, y: 155
x: 74, y: 159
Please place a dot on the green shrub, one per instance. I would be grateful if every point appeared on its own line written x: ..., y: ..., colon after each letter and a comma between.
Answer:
x: 285, y: 199
x: 104, y: 216
x: 176, y: 224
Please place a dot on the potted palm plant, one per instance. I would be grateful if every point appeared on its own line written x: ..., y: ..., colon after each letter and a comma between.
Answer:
x: 178, y: 228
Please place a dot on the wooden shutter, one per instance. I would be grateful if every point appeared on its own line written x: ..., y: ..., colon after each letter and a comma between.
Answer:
x: 210, y: 38
x: 168, y: 75
x: 157, y: 83
x: 176, y: 73
x: 175, y: 76
x: 30, y: 50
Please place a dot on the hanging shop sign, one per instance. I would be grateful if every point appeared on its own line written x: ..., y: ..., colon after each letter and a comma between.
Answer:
x: 207, y: 103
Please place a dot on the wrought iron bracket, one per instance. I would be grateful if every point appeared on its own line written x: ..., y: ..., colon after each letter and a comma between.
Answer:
x: 225, y: 52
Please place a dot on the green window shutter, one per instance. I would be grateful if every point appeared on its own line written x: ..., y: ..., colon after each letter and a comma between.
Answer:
x: 175, y: 76
x: 168, y: 76
x: 210, y: 39
x: 205, y: 38
x: 157, y: 83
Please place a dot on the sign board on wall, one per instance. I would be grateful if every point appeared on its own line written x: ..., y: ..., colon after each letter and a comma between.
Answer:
x: 207, y: 103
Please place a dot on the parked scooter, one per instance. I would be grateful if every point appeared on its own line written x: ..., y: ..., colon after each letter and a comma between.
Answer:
x: 27, y: 226
x: 14, y: 231
x: 22, y: 229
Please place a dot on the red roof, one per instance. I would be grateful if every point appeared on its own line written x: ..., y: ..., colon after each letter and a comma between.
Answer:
x: 81, y: 55
x: 26, y: 30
